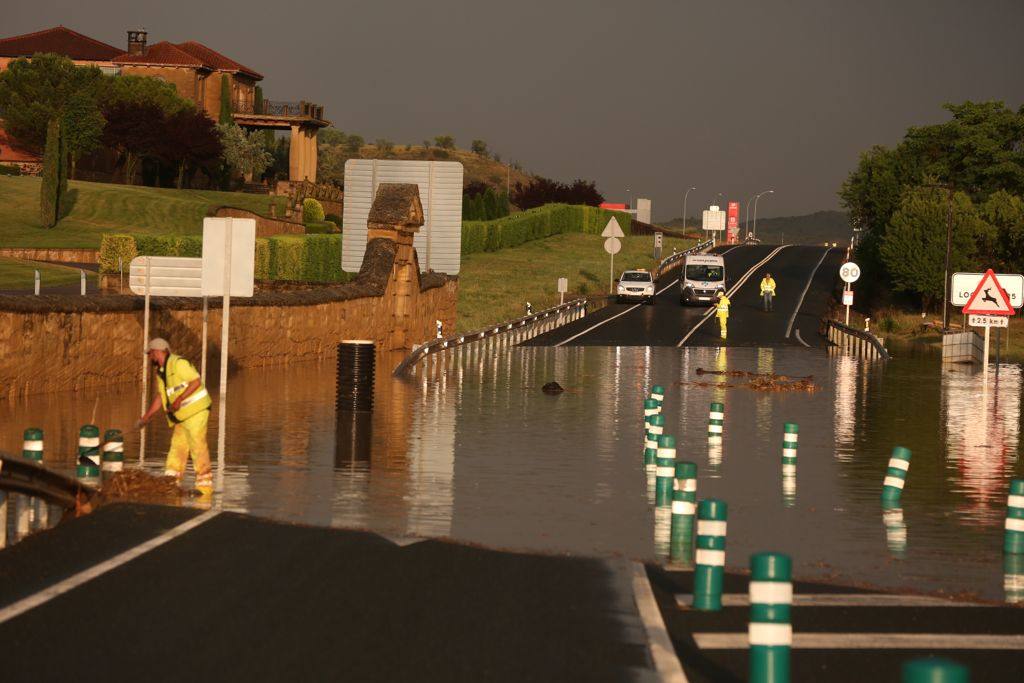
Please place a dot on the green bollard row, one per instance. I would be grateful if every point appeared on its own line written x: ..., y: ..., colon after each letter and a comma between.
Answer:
x: 32, y: 444
x: 654, y: 431
x: 896, y: 474
x: 1013, y: 537
x: 710, y: 557
x: 666, y: 470
x: 651, y: 407
x: 658, y: 394
x: 770, y: 631
x: 716, y: 421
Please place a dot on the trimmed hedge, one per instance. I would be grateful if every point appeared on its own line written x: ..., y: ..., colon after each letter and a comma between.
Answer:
x: 322, y: 228
x: 312, y: 210
x: 535, y: 224
x: 292, y: 258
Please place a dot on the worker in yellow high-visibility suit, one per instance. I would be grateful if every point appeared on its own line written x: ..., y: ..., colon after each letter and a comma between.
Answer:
x: 768, y: 292
x: 722, y: 311
x: 185, y: 400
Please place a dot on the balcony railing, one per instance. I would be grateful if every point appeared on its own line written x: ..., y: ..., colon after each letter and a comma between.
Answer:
x: 301, y: 109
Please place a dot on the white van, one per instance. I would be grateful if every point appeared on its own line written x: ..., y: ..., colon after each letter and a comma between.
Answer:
x: 702, y: 278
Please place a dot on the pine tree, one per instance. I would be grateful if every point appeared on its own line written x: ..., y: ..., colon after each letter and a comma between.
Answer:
x: 257, y: 105
x: 225, y: 100
x: 490, y: 204
x: 51, y: 176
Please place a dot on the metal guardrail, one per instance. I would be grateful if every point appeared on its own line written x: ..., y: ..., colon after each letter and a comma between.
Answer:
x: 857, y: 342
x: 521, y: 329
x: 18, y: 475
x: 672, y: 261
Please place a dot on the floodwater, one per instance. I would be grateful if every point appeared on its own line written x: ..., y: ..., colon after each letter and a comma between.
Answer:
x: 476, y: 452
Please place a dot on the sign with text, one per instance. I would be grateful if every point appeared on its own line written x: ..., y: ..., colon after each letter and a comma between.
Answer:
x: 849, y: 272
x: 847, y: 297
x: 988, y: 321
x: 733, y: 222
x: 964, y: 285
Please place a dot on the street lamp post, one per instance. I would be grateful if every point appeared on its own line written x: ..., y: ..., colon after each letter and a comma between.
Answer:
x: 685, y: 195
x: 758, y: 196
x: 629, y: 199
x: 746, y: 219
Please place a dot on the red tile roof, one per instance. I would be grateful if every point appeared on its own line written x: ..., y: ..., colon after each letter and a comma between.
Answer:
x: 215, y: 60
x: 60, y: 40
x: 161, y: 54
x: 11, y: 154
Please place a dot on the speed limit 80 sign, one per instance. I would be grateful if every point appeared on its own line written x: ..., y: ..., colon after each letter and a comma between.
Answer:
x: 849, y: 272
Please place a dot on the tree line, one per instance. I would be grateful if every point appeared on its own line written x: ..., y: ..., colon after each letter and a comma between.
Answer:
x: 900, y: 199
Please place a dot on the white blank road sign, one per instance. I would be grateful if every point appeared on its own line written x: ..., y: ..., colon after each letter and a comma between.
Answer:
x: 964, y: 285
x: 713, y: 219
x: 439, y: 242
x: 243, y: 255
x: 168, y: 276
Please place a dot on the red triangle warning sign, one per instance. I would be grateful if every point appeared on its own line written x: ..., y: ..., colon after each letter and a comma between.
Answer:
x: 989, y: 298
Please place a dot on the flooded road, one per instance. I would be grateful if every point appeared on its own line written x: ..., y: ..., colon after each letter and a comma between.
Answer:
x: 480, y: 454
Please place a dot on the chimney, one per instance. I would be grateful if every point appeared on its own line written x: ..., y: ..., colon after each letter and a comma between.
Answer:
x: 137, y: 42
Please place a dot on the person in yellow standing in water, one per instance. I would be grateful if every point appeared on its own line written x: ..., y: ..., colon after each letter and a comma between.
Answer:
x: 722, y: 311
x: 768, y: 292
x: 185, y: 400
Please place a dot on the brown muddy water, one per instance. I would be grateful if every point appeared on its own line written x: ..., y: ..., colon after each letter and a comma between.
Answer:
x: 479, y: 453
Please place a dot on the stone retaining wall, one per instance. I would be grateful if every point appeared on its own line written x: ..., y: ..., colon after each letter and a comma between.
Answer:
x: 265, y: 226
x: 55, y: 255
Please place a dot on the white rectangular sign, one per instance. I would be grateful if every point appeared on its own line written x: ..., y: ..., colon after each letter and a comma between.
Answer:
x: 988, y: 320
x: 168, y: 276
x: 964, y: 285
x: 714, y: 219
x: 243, y: 255
x: 439, y: 242
x: 563, y: 285
x: 847, y: 297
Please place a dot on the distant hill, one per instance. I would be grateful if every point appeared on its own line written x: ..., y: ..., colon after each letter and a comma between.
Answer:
x: 813, y: 228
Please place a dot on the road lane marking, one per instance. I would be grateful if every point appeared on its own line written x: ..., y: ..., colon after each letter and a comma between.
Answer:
x: 842, y: 600
x: 792, y: 318
x: 871, y: 641
x: 801, y: 340
x: 663, y: 653
x: 72, y: 582
x: 731, y: 292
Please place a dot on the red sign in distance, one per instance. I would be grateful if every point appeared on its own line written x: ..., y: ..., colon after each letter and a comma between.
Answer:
x: 989, y: 298
x: 732, y: 222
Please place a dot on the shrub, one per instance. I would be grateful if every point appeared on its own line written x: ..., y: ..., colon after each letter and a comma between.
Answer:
x: 312, y: 210
x: 9, y: 170
x: 479, y: 147
x: 114, y: 247
x: 334, y: 218
x: 546, y: 191
x: 322, y: 228
x: 445, y: 141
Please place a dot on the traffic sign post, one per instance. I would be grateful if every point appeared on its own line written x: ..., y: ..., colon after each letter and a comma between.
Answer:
x: 657, y: 245
x: 849, y: 273
x: 612, y: 232
x: 563, y: 287
x: 989, y: 306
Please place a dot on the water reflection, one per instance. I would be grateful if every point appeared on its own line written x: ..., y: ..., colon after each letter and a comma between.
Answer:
x: 472, y: 449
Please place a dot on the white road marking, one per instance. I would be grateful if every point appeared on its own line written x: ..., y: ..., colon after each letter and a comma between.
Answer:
x: 792, y: 318
x: 843, y: 600
x: 663, y: 653
x: 72, y: 582
x: 872, y: 641
x: 731, y: 292
x: 800, y: 339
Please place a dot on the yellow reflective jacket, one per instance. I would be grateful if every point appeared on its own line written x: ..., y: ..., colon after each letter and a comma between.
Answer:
x: 723, y: 307
x: 180, y: 373
x: 768, y: 285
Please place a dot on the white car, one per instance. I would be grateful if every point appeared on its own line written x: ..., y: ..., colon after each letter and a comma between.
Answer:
x: 636, y: 285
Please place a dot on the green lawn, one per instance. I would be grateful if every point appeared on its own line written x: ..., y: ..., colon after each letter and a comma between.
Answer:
x: 100, y: 207
x: 16, y: 274
x: 495, y: 286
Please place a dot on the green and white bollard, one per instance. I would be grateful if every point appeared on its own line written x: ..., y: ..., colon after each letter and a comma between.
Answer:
x: 770, y: 631
x: 710, y: 558
x: 716, y: 422
x: 1013, y: 578
x: 684, y: 507
x: 113, y: 450
x: 895, y: 528
x: 666, y: 470
x: 934, y: 670
x: 88, y: 453
x: 654, y: 432
x: 896, y: 474
x: 790, y: 435
x: 1013, y: 537
x: 651, y: 407
x: 658, y: 394
x: 32, y: 444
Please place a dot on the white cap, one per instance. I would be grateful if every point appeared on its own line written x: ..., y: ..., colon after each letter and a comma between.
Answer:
x: 158, y: 344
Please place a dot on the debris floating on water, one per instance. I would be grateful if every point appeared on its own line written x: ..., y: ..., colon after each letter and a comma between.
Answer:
x: 759, y: 381
x: 138, y: 486
x: 552, y: 388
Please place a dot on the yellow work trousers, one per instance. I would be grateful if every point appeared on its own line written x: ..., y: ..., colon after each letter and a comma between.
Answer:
x: 189, y: 438
x: 723, y: 321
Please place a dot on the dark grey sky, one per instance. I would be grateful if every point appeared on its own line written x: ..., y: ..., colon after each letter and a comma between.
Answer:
x: 651, y: 96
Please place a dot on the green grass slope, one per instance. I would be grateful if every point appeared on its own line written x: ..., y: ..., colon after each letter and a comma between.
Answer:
x: 96, y: 208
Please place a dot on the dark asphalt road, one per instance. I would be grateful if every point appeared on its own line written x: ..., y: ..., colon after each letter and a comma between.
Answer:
x: 667, y: 323
x: 836, y: 665
x: 241, y: 599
